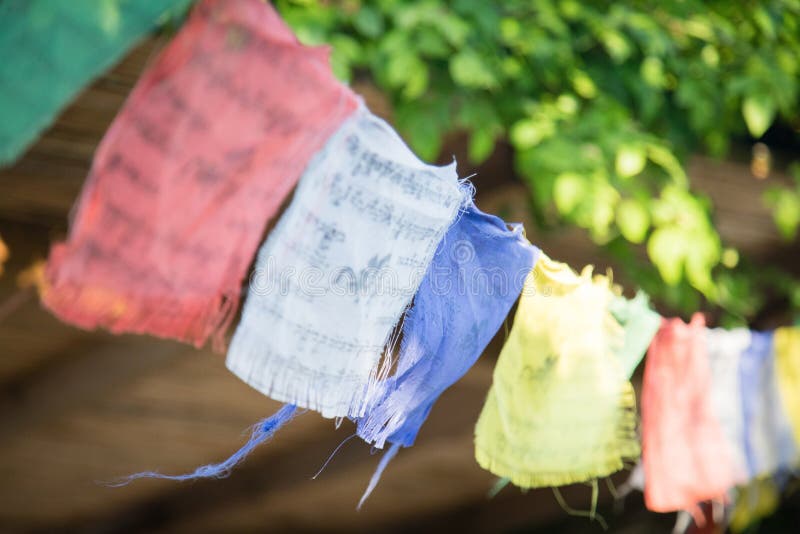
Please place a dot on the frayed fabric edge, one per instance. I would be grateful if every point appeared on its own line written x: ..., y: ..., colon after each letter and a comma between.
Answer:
x: 626, y: 448
x: 118, y: 313
x: 387, y: 457
x: 331, y: 395
x: 261, y: 432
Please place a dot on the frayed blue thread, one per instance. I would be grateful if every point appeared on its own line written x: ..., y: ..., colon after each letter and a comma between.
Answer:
x: 376, y: 476
x: 262, y: 431
x: 445, y: 331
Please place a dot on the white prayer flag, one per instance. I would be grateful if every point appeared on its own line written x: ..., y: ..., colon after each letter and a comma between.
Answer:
x: 336, y: 274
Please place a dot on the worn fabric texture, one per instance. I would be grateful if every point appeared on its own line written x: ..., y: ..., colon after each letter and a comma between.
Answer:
x: 335, y: 276
x: 640, y: 323
x: 769, y: 443
x: 210, y: 142
x: 787, y: 370
x: 724, y: 349
x: 475, y: 277
x: 52, y: 49
x: 561, y: 409
x: 684, y: 450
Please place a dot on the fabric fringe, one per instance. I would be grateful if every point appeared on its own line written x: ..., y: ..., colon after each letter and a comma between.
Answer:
x: 627, y: 447
x: 92, y: 307
x: 567, y: 397
x: 388, y: 456
x: 263, y: 431
x: 278, y: 379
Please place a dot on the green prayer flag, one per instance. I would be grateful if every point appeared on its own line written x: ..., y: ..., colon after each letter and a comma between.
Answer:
x: 50, y: 49
x: 640, y: 324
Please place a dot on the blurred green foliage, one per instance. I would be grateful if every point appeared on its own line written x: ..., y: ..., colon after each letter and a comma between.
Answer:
x: 602, y: 102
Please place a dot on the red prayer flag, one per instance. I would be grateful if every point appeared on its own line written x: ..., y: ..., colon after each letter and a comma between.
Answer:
x: 684, y: 451
x: 210, y: 142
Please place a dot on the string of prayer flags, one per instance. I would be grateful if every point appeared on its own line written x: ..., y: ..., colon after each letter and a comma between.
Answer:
x: 685, y: 456
x: 561, y: 409
x: 476, y: 276
x: 338, y: 271
x: 640, y: 324
x: 787, y: 369
x: 375, y: 246
x: 210, y: 142
x: 724, y: 349
x: 50, y: 50
x: 769, y: 443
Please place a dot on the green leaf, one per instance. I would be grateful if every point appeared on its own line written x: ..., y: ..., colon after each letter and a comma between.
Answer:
x: 402, y: 69
x: 631, y: 160
x: 758, y: 112
x: 568, y: 191
x: 481, y: 145
x: 616, y: 44
x: 528, y: 133
x: 510, y: 30
x: 454, y: 29
x: 369, y: 22
x: 430, y: 43
x: 633, y: 220
x: 785, y: 206
x: 666, y: 248
x: 664, y: 158
x: 584, y: 85
x: 417, y: 82
x: 652, y: 71
x: 468, y: 69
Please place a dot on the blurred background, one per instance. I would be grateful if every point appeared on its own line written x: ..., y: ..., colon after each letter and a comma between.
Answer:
x: 660, y: 139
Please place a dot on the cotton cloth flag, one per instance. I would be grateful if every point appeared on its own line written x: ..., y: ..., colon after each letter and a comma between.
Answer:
x: 724, y: 349
x: 685, y: 454
x: 787, y: 370
x: 769, y: 442
x: 561, y: 409
x: 338, y: 271
x: 211, y: 141
x: 640, y: 323
x: 51, y: 49
x: 475, y: 277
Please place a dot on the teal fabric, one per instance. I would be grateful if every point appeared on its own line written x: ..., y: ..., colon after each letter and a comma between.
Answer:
x: 640, y: 324
x: 51, y: 49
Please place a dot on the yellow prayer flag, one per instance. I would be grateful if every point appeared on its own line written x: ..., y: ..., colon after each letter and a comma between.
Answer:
x: 787, y: 371
x: 561, y: 409
x: 758, y: 499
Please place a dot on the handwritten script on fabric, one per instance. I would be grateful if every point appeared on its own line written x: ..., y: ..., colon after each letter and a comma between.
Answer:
x: 561, y: 409
x: 338, y: 271
x: 214, y: 136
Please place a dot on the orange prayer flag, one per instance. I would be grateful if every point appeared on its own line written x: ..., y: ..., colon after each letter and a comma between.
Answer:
x: 684, y: 451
